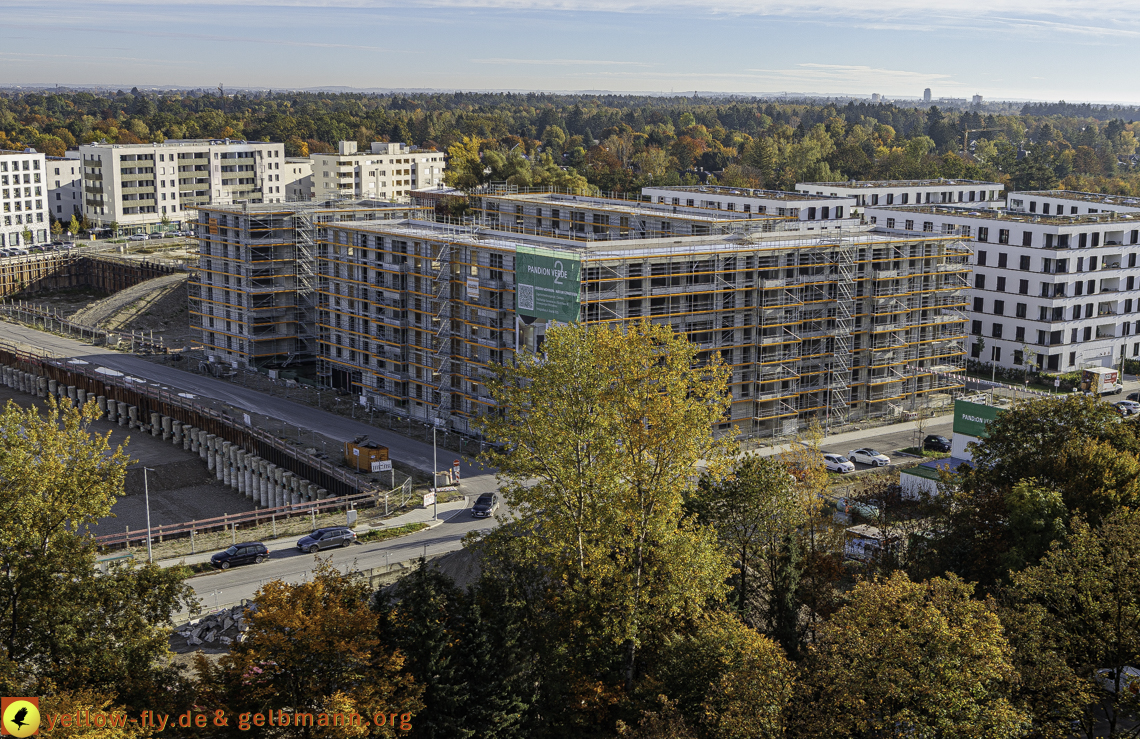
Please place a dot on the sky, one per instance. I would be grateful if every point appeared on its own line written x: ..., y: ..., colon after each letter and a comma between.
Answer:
x: 1074, y: 50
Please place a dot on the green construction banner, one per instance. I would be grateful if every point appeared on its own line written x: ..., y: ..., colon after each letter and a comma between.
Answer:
x: 547, y: 284
x: 971, y: 419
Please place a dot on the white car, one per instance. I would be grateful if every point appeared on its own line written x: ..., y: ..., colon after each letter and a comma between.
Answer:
x: 1131, y: 407
x: 869, y: 456
x: 838, y: 463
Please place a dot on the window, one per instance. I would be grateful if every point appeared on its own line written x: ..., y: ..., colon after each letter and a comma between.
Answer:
x: 1017, y: 357
x: 1043, y: 313
x: 979, y: 282
x: 1001, y: 284
x: 1019, y: 334
x: 927, y: 226
x: 1003, y: 260
x: 976, y: 328
x: 909, y: 225
x: 890, y: 223
x: 1023, y: 287
x: 996, y: 331
x: 1023, y: 263
x: 1088, y: 333
x: 1076, y: 312
x: 983, y: 233
x: 999, y: 307
x: 1003, y: 236
x: 1021, y: 309
x: 981, y: 259
x: 979, y: 305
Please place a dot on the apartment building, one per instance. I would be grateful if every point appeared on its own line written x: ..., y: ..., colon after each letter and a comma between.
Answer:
x: 298, y: 183
x: 1053, y: 291
x: 1067, y: 202
x: 23, y: 198
x: 386, y: 172
x: 65, y: 186
x: 254, y: 297
x: 139, y: 186
x: 605, y: 218
x: 872, y: 193
x: 816, y: 212
x: 837, y: 326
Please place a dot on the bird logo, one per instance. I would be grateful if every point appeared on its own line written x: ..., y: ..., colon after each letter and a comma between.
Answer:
x: 19, y: 716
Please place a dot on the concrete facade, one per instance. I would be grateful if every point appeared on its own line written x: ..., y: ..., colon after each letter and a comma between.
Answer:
x: 23, y: 198
x: 387, y: 171
x: 873, y: 193
x: 1058, y: 292
x: 298, y: 179
x: 819, y: 212
x: 65, y: 187
x: 137, y: 185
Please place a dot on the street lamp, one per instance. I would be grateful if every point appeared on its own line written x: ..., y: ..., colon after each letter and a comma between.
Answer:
x: 146, y: 494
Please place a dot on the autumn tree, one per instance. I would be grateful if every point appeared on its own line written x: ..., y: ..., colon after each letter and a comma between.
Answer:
x: 64, y: 626
x: 312, y: 647
x: 601, y: 437
x: 1081, y: 605
x: 905, y: 659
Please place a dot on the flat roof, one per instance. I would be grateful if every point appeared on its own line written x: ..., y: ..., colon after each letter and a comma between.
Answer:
x: 313, y: 205
x: 618, y: 248
x: 744, y: 192
x: 180, y: 142
x: 1086, y: 197
x: 1013, y: 216
x: 859, y: 184
x: 712, y: 215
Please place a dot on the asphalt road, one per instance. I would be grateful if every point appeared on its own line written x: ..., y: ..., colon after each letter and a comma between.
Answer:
x: 293, y: 566
x: 408, y: 451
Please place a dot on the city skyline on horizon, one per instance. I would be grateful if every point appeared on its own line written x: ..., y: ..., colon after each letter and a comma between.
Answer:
x: 1003, y: 51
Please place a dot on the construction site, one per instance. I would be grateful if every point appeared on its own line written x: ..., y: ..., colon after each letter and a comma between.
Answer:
x: 254, y: 299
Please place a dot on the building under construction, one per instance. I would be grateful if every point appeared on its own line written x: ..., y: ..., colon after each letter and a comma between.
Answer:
x: 837, y: 326
x: 255, y: 296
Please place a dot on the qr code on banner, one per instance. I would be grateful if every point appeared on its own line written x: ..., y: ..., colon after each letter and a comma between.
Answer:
x: 525, y: 297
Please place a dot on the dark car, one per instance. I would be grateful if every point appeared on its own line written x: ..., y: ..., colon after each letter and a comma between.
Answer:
x: 250, y: 552
x: 934, y: 443
x: 1133, y: 396
x: 485, y: 506
x: 335, y: 536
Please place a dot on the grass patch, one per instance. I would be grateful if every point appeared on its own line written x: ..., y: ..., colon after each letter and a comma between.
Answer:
x: 392, y: 533
x: 919, y: 452
x: 200, y: 568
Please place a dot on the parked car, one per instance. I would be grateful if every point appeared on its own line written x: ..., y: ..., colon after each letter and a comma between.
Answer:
x: 869, y: 456
x: 137, y: 237
x: 1128, y: 407
x: 250, y: 552
x: 327, y: 538
x: 838, y: 463
x: 155, y: 236
x: 485, y: 506
x: 1134, y: 396
x: 935, y: 443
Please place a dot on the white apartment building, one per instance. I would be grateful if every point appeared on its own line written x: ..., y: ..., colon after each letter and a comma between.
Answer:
x: 1056, y: 292
x: 387, y: 172
x: 65, y: 186
x: 23, y: 198
x: 1071, y: 203
x: 819, y: 212
x: 137, y: 185
x: 871, y: 193
x: 298, y: 183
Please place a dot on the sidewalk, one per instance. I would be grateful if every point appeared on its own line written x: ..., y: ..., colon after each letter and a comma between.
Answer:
x: 419, y: 515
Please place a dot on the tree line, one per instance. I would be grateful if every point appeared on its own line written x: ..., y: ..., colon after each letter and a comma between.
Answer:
x: 619, y: 143
x: 651, y: 582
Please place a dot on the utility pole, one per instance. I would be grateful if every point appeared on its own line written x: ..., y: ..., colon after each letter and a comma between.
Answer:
x: 146, y: 494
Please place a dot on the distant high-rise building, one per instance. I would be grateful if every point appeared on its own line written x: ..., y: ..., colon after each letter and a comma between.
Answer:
x: 978, y: 100
x: 876, y: 97
x: 926, y: 95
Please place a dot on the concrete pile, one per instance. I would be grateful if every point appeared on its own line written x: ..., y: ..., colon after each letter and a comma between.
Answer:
x: 215, y: 631
x: 259, y: 480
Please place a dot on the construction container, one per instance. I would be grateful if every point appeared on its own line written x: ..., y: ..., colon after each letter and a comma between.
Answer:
x: 361, y: 455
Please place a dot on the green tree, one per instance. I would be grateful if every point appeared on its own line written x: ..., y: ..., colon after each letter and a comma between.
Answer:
x: 754, y: 510
x: 56, y: 228
x: 1084, y: 599
x: 910, y: 659
x: 27, y: 236
x: 64, y: 626
x: 602, y: 434
x: 464, y: 164
x: 73, y: 227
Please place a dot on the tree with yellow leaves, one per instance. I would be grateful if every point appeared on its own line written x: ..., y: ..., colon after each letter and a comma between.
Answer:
x: 603, y: 434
